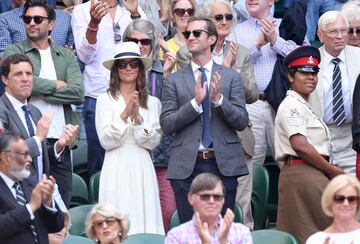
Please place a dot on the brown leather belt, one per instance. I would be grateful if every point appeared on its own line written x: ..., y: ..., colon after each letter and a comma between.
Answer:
x: 296, y: 160
x: 206, y: 155
x: 262, y: 97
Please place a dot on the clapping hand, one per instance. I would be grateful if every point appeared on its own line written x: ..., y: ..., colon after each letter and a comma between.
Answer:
x: 132, y: 7
x: 135, y: 116
x: 230, y: 57
x: 225, y: 226
x: 98, y: 9
x: 202, y: 229
x: 268, y: 28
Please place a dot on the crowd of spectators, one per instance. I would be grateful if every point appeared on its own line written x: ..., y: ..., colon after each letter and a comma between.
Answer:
x: 176, y: 109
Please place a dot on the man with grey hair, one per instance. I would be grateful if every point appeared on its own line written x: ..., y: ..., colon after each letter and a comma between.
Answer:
x: 28, y: 212
x: 206, y: 196
x: 332, y: 99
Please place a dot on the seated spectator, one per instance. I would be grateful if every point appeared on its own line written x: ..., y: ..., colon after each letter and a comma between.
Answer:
x: 206, y: 196
x: 58, y: 237
x: 351, y: 10
x: 105, y: 224
x: 341, y: 201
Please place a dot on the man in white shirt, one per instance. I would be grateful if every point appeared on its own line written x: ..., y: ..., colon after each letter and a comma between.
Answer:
x: 332, y: 99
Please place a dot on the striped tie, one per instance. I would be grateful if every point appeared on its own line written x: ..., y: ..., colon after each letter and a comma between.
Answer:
x: 338, y: 104
x: 20, y: 198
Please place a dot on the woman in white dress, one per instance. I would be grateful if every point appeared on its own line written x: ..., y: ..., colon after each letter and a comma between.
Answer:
x: 340, y: 200
x: 127, y: 123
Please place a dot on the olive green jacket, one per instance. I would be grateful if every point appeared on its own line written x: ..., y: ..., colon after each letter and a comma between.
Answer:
x: 67, y: 69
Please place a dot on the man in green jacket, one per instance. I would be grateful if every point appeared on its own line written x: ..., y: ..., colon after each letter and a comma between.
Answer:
x: 58, y: 83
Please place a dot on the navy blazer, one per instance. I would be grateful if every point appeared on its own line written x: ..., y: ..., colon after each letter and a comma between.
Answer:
x: 15, y: 219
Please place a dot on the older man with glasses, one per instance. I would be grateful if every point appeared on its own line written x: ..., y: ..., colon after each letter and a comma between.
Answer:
x: 332, y: 99
x: 206, y: 196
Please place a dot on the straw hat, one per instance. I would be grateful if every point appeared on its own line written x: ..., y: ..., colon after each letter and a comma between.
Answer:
x: 124, y: 50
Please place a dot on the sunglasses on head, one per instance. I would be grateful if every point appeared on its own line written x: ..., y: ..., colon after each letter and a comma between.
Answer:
x: 220, y: 17
x: 134, y: 64
x: 180, y: 12
x: 37, y: 19
x: 351, y: 199
x: 206, y: 197
x: 354, y: 30
x: 144, y: 42
x: 196, y: 33
x: 100, y: 223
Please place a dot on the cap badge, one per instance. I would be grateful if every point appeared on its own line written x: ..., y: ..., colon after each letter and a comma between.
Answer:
x: 310, y: 60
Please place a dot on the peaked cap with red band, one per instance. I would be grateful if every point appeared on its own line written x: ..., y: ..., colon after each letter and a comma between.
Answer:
x: 304, y: 58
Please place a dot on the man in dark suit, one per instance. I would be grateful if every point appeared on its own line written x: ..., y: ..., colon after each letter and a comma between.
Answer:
x: 25, y: 119
x: 27, y: 211
x: 204, y: 117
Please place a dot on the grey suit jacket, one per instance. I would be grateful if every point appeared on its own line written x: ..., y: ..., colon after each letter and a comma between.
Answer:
x: 178, y: 117
x: 13, y: 123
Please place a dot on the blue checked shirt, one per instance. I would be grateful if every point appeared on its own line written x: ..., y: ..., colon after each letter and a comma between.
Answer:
x: 12, y: 29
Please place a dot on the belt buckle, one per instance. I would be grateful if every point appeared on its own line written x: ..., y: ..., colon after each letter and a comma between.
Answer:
x: 205, y: 155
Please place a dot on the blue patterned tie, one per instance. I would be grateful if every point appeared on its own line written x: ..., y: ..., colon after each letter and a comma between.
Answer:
x: 20, y: 198
x: 206, y: 130
x: 338, y: 103
x: 28, y: 121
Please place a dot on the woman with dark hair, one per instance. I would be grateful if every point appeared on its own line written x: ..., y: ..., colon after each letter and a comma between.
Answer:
x: 127, y: 123
x: 302, y: 142
x: 143, y: 33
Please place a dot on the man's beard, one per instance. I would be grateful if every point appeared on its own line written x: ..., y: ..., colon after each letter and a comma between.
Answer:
x: 20, y: 175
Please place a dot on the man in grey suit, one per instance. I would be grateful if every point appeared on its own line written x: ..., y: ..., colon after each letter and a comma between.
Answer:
x: 25, y: 119
x: 203, y: 117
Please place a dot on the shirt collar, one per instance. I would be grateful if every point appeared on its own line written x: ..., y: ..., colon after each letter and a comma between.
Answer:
x: 328, y: 57
x: 16, y: 103
x: 207, y: 66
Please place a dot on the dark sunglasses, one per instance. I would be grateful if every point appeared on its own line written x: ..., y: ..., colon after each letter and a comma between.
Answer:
x: 220, y: 17
x: 196, y: 33
x: 180, y: 12
x: 134, y: 64
x: 144, y: 42
x: 354, y: 30
x: 37, y: 19
x: 109, y: 222
x: 351, y: 199
x: 206, y: 197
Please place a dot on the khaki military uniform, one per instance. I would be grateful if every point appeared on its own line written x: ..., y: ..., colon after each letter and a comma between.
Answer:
x: 300, y: 185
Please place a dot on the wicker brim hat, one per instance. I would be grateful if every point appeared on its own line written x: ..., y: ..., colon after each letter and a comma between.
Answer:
x: 126, y: 50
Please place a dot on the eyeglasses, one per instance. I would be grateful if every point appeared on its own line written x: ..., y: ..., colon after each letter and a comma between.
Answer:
x: 335, y: 32
x: 110, y: 221
x: 206, y: 197
x: 180, y: 12
x: 196, y: 33
x: 220, y: 17
x: 117, y: 35
x: 354, y: 30
x: 134, y: 64
x: 37, y: 19
x: 23, y: 154
x: 144, y: 42
x: 351, y: 199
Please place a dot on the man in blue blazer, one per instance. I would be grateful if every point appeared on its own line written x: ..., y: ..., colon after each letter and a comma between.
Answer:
x: 27, y: 211
x: 203, y: 105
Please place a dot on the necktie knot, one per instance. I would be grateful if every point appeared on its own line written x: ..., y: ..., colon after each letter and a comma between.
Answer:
x: 336, y: 61
x: 16, y: 185
x: 25, y: 108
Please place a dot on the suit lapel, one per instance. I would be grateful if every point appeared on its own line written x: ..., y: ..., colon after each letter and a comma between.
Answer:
x: 351, y: 67
x: 6, y: 194
x: 189, y: 80
x: 15, y: 116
